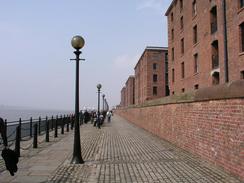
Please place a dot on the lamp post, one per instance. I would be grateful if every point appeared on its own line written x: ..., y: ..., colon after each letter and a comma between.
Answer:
x: 99, y: 86
x: 103, y: 101
x: 77, y: 43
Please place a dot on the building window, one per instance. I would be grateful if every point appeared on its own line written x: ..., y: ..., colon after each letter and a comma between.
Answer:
x: 182, y: 70
x: 242, y: 74
x: 196, y: 87
x: 172, y: 17
x: 173, y: 54
x: 173, y: 92
x: 194, y: 8
x: 196, y: 63
x: 173, y: 75
x: 166, y: 57
x: 213, y: 20
x: 155, y: 77
x: 181, y: 23
x: 241, y: 3
x: 155, y: 90
x: 183, y: 90
x: 215, y: 78
x: 181, y: 5
x: 167, y: 92
x: 215, y: 55
x: 195, y: 34
x: 172, y: 34
x: 242, y: 36
x: 182, y: 46
x: 154, y: 66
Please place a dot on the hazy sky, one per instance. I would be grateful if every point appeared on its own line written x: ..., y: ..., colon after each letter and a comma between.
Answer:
x: 35, y: 48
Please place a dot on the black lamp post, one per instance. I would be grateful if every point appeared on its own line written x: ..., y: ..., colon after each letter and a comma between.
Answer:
x: 99, y: 86
x: 103, y: 101
x: 77, y: 43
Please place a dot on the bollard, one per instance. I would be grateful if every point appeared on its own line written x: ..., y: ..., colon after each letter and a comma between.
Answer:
x: 31, y: 127
x: 39, y: 125
x: 35, y: 136
x: 56, y: 127
x: 47, y: 130
x: 17, y: 141
x: 20, y: 122
x: 52, y: 123
x: 62, y: 126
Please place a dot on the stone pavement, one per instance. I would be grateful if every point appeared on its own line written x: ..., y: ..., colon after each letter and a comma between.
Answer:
x: 118, y: 152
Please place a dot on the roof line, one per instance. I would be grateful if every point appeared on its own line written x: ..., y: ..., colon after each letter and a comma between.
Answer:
x: 170, y: 7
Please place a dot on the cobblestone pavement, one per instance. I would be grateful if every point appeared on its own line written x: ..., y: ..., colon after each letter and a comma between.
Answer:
x: 122, y: 153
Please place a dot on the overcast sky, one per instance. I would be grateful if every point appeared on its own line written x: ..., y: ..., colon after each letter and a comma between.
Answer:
x: 35, y: 48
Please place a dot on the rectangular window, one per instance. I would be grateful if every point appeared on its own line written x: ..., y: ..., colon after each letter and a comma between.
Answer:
x: 182, y: 46
x: 155, y: 77
x: 241, y: 3
x: 242, y: 36
x: 173, y: 75
x: 194, y: 8
x: 196, y: 63
x: 182, y: 70
x: 173, y: 54
x: 172, y: 34
x: 181, y: 23
x: 155, y: 90
x: 195, y: 34
x: 213, y: 20
x: 172, y: 17
x: 183, y: 90
x: 173, y: 92
x: 154, y: 66
x: 196, y: 87
x: 242, y: 74
x: 166, y: 57
x: 181, y: 5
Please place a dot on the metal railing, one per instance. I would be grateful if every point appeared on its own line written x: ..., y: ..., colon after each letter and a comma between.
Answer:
x: 25, y: 130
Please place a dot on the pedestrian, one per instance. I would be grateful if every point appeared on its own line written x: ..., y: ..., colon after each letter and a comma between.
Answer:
x: 109, y: 114
x: 10, y: 157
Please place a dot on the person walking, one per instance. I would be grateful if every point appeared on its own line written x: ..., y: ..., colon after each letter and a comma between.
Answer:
x: 109, y: 114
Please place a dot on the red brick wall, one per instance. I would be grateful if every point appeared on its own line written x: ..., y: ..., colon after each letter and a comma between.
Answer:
x: 213, y: 129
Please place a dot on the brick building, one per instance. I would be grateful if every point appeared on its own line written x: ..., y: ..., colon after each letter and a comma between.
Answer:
x: 130, y: 91
x: 150, y: 74
x: 123, y: 97
x: 206, y: 43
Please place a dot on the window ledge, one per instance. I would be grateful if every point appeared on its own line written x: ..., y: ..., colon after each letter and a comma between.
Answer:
x: 240, y: 10
x: 195, y: 44
x: 241, y: 53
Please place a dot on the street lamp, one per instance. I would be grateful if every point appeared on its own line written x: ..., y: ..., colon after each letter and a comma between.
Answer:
x: 103, y: 101
x: 77, y: 43
x: 99, y: 86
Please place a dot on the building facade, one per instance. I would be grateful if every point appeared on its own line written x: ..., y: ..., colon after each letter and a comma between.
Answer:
x: 123, y: 97
x: 151, y: 74
x: 130, y: 91
x: 206, y: 43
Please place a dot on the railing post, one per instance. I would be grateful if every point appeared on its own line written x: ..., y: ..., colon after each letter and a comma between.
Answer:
x: 39, y: 125
x: 6, y: 131
x: 72, y: 122
x: 31, y: 127
x: 52, y: 123
x: 56, y: 127
x: 17, y: 141
x: 35, y: 136
x: 47, y: 130
x: 20, y: 122
x: 67, y: 121
x: 62, y: 127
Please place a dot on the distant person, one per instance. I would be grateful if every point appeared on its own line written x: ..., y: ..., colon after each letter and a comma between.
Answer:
x: 10, y: 157
x: 109, y: 114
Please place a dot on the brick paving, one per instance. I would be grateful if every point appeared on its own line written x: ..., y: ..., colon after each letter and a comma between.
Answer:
x: 119, y: 152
